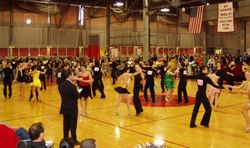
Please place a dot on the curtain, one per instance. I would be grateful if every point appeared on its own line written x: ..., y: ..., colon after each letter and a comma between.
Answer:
x: 4, y: 36
x: 65, y: 37
x: 28, y: 36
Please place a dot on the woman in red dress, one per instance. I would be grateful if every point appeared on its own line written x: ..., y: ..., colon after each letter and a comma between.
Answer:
x: 85, y: 82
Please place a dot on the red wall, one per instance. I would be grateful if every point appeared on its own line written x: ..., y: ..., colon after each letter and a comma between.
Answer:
x: 77, y: 52
x: 130, y: 50
x: 94, y: 51
x: 62, y: 51
x: 123, y: 50
x: 15, y: 52
x: 24, y: 52
x: 33, y: 51
x: 3, y: 52
x: 53, y: 52
x: 71, y: 52
x: 43, y: 51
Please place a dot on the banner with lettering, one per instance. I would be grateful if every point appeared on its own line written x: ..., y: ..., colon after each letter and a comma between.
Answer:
x: 225, y: 17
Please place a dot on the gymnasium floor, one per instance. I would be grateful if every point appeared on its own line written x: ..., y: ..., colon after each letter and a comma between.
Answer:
x: 168, y: 124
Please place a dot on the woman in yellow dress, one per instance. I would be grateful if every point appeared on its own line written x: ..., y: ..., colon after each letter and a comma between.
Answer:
x: 36, y: 84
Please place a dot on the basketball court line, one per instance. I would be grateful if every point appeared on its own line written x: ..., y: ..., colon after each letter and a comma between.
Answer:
x: 126, y: 129
x: 107, y: 123
x: 154, y: 137
x: 147, y: 121
x: 231, y: 105
x: 55, y: 106
x: 156, y: 120
x: 30, y: 117
x: 172, y: 117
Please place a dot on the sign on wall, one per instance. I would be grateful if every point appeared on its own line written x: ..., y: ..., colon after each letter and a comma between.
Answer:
x: 115, y: 52
x: 225, y: 17
x: 248, y: 51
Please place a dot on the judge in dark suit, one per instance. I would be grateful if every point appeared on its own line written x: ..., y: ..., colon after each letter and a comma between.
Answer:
x: 69, y: 108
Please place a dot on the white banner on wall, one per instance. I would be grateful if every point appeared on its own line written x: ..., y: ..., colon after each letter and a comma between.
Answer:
x: 248, y: 51
x: 138, y: 51
x: 225, y: 17
x: 115, y: 52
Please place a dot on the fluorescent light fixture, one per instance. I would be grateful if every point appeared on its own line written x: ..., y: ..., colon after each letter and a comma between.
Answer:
x: 118, y: 4
x: 28, y: 21
x: 81, y: 15
x: 165, y: 10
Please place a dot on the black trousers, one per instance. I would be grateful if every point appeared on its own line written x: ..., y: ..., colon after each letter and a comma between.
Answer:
x: 182, y: 89
x: 162, y: 85
x: 101, y: 84
x: 113, y: 75
x: 229, y: 79
x: 210, y: 67
x: 69, y: 124
x: 50, y: 76
x: 149, y: 84
x: 141, y: 87
x: 5, y: 85
x: 43, y: 80
x: 98, y: 84
x: 201, y: 98
x: 137, y: 102
x: 58, y: 86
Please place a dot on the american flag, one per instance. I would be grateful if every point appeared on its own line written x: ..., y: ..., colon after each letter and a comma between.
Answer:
x: 195, y: 19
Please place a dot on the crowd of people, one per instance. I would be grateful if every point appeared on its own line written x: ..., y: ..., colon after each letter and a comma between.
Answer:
x: 81, y: 77
x: 34, y: 138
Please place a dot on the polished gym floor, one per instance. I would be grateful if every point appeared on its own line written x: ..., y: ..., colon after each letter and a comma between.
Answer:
x: 163, y: 122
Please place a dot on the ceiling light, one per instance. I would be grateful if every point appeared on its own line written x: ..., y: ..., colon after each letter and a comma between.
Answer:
x: 207, y: 4
x: 118, y: 4
x: 28, y: 21
x: 165, y: 10
x: 183, y: 9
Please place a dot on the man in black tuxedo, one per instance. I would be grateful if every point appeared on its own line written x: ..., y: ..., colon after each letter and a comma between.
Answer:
x: 7, y: 80
x: 69, y: 108
x: 150, y: 74
x: 61, y: 74
x: 97, y: 76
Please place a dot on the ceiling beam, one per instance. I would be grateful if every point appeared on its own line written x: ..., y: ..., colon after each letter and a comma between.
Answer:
x: 59, y: 3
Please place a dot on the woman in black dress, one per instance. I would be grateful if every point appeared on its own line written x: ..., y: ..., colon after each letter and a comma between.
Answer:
x: 85, y: 82
x: 21, y: 77
x: 124, y: 79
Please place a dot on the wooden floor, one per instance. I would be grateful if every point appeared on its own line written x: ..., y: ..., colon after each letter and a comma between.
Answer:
x: 162, y: 124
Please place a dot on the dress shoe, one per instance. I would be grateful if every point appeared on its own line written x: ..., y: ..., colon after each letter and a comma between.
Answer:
x: 76, y: 142
x: 207, y: 126
x: 137, y: 114
x: 193, y: 126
